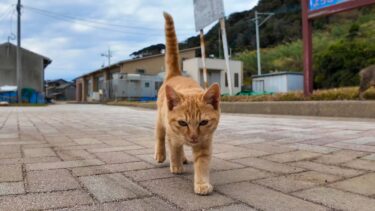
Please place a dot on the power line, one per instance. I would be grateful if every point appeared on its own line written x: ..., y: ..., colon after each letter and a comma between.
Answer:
x: 95, y: 25
x: 98, y: 22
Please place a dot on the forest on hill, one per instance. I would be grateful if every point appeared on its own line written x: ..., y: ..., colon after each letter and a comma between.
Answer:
x: 343, y: 43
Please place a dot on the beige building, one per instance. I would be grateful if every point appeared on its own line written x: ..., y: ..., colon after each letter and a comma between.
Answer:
x: 91, y: 83
x: 215, y: 72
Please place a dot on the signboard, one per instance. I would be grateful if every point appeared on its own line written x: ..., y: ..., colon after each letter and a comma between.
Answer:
x: 319, y: 4
x: 207, y: 12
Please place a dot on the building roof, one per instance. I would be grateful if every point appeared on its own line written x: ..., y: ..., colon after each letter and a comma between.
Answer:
x: 46, y: 60
x: 132, y: 60
x: 276, y: 74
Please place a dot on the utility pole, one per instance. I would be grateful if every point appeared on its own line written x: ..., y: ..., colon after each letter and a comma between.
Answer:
x: 108, y: 55
x: 257, y: 25
x: 18, y: 52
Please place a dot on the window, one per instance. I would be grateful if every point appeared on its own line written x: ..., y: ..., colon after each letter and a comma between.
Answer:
x: 158, y: 85
x: 226, y: 80
x: 147, y: 84
x: 141, y: 71
x: 236, y: 80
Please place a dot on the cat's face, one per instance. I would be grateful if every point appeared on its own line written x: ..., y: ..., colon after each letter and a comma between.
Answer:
x: 193, y: 118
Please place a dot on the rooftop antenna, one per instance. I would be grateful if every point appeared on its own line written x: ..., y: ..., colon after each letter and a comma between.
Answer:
x: 108, y: 55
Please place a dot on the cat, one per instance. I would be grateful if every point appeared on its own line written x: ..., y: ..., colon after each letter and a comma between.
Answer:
x: 367, y: 79
x: 186, y: 115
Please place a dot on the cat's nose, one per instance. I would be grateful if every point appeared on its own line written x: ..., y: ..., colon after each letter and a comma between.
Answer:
x: 194, y: 138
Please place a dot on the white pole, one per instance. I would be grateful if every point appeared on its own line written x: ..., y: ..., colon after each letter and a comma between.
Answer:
x: 226, y: 56
x: 203, y: 52
x: 258, y: 44
x: 18, y: 53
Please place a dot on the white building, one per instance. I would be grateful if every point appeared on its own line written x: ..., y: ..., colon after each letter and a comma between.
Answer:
x: 278, y: 82
x: 216, y: 72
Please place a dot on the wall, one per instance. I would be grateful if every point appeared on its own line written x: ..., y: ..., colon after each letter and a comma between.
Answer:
x: 32, y: 68
x: 295, y: 83
x: 193, y: 68
x: 152, y: 65
x: 276, y: 83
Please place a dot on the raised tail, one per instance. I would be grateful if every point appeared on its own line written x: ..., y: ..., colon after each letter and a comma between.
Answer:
x: 171, y: 54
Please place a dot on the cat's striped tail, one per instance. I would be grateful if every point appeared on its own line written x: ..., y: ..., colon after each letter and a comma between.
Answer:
x: 171, y: 54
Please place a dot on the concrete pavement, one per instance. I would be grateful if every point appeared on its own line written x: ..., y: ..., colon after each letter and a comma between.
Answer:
x: 96, y: 157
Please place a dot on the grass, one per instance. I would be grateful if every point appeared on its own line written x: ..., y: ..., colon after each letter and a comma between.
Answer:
x: 346, y: 93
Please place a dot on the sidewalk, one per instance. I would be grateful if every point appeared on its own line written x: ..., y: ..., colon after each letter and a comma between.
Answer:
x: 97, y: 157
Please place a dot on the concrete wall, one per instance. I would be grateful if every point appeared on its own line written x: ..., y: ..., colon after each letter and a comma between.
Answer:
x: 32, y: 68
x: 216, y: 72
x: 295, y: 82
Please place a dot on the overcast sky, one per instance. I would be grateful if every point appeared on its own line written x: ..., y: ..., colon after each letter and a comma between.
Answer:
x: 73, y: 33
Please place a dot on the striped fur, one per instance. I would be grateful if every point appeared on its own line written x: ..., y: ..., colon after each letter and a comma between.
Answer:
x: 171, y: 54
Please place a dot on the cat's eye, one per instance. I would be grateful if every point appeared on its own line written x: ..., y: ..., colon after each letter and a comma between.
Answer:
x: 182, y: 123
x: 203, y: 123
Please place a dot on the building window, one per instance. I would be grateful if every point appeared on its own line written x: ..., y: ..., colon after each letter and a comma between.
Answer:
x: 141, y: 71
x: 236, y: 80
x: 147, y: 84
x: 226, y: 80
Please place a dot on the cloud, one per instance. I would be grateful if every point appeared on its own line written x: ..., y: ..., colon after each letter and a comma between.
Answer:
x: 124, y: 26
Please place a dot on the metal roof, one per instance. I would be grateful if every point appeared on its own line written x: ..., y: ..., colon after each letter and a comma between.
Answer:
x: 132, y: 60
x: 276, y: 74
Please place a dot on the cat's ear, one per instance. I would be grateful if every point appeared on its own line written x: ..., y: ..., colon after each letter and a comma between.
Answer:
x: 212, y: 95
x: 173, y: 98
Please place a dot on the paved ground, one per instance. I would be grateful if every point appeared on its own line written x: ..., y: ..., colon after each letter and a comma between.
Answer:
x: 91, y: 157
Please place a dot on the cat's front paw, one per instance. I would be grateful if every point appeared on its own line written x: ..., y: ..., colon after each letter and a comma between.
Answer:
x: 177, y: 169
x: 160, y: 157
x: 203, y: 189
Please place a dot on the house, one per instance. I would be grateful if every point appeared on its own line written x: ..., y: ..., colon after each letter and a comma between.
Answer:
x: 60, y: 90
x: 278, y: 82
x: 215, y: 72
x: 99, y: 82
x: 33, y: 66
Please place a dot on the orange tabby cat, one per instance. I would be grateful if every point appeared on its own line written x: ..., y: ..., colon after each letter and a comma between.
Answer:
x: 187, y: 115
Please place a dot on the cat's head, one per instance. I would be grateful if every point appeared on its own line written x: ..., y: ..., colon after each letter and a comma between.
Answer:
x: 193, y: 118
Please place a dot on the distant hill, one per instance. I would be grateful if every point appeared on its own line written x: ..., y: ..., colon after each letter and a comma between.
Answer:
x: 285, y: 26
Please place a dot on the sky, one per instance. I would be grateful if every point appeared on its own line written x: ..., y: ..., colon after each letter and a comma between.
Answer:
x: 74, y: 33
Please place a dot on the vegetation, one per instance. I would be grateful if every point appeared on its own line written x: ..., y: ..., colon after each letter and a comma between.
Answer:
x: 348, y: 93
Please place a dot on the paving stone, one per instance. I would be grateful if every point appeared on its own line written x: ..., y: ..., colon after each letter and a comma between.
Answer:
x: 334, y: 170
x: 266, y: 199
x: 39, y: 152
x: 110, y: 168
x: 78, y: 154
x: 11, y: 188
x: 235, y: 175
x: 292, y: 156
x: 50, y: 180
x: 337, y: 199
x: 112, y: 187
x: 234, y: 207
x: 115, y: 149
x: 10, y: 173
x: 62, y: 164
x: 146, y: 204
x: 355, y: 147
x: 149, y: 174
x: 116, y: 157
x: 339, y: 157
x: 39, y: 201
x: 181, y: 192
x: 294, y: 182
x: 240, y: 154
x: 86, y: 141
x: 141, y: 151
x: 361, y: 164
x: 364, y: 184
x: 313, y: 148
x: 269, y: 165
x: 369, y: 157
x: 266, y: 147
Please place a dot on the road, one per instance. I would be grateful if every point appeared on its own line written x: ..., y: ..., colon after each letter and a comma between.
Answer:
x: 96, y: 157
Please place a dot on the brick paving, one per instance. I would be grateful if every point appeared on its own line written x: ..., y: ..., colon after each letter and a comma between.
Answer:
x: 95, y: 157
